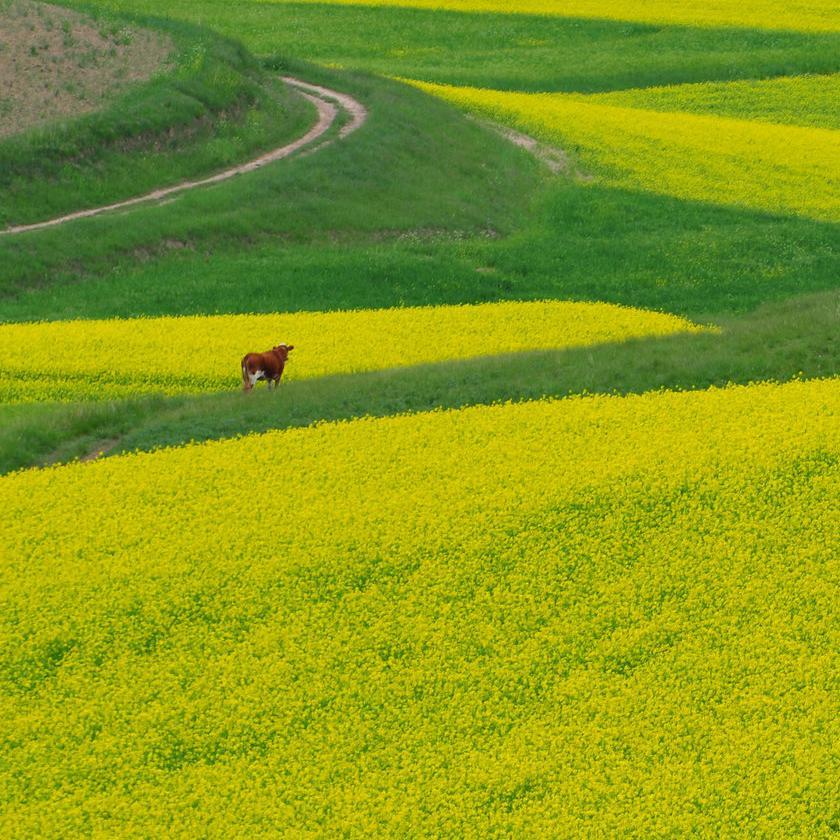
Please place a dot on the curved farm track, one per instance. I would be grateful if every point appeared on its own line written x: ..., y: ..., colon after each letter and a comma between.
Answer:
x: 329, y: 103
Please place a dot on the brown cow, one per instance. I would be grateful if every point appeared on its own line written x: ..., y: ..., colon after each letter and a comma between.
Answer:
x: 268, y: 366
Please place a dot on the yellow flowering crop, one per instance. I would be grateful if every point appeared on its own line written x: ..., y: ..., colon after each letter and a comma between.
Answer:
x: 796, y: 15
x: 612, y: 617
x: 105, y: 359
x: 780, y: 168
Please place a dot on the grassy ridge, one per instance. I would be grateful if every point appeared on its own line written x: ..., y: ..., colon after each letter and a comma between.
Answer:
x: 582, y: 242
x: 214, y: 106
x: 676, y: 255
x: 507, y: 51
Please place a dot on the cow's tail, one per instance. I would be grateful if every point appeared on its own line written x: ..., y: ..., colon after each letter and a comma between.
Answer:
x: 246, y: 380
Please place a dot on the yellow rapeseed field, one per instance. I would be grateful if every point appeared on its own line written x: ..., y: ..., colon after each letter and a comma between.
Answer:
x: 105, y: 359
x: 796, y: 15
x: 781, y: 168
x: 607, y: 616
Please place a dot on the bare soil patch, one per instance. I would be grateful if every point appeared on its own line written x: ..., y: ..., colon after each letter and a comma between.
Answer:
x: 56, y: 63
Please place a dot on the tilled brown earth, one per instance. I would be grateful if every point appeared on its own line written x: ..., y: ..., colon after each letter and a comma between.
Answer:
x: 56, y: 63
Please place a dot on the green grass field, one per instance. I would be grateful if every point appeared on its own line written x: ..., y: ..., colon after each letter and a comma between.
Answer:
x: 699, y: 151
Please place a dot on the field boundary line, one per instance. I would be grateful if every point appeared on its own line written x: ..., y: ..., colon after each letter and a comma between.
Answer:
x: 329, y: 104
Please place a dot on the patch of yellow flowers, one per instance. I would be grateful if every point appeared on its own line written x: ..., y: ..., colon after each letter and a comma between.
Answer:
x: 590, y: 617
x: 784, y: 169
x: 73, y: 360
x: 796, y: 15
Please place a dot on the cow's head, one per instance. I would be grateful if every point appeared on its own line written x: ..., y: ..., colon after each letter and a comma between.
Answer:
x: 283, y: 350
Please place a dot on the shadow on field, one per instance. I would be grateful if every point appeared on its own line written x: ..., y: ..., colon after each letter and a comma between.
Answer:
x: 782, y: 341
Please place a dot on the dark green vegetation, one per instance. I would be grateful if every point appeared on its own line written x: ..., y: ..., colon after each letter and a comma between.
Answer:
x: 213, y: 106
x: 516, y: 52
x: 422, y: 206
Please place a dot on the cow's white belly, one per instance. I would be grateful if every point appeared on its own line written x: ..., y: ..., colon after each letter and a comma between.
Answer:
x: 256, y: 375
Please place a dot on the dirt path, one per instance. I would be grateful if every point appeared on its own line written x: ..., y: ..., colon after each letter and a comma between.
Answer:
x: 553, y: 157
x: 100, y: 450
x: 329, y: 103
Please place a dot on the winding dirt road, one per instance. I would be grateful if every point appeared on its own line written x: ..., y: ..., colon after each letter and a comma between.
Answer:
x: 329, y: 103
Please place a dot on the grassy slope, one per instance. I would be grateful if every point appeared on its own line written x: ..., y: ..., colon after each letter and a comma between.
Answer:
x: 417, y: 164
x: 675, y: 255
x: 586, y: 242
x: 214, y: 106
